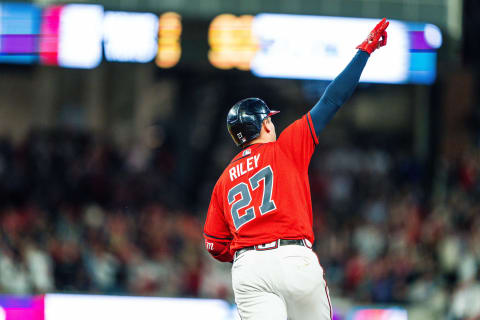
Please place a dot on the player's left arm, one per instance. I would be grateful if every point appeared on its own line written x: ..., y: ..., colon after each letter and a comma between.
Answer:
x: 340, y: 89
x: 219, y: 248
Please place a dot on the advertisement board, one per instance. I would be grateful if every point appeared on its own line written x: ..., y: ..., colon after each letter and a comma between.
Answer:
x: 98, y: 307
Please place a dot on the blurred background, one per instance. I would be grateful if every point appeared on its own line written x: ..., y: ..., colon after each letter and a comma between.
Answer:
x: 112, y: 136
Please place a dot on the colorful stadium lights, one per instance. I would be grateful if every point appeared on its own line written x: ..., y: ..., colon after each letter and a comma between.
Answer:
x: 433, y: 36
x: 49, y: 40
x: 232, y: 43
x: 130, y: 36
x: 19, y: 29
x: 80, y: 44
x: 67, y: 41
x: 169, y: 32
x: 59, y: 35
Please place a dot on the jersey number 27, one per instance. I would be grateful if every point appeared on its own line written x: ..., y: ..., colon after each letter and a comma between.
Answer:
x: 245, y: 198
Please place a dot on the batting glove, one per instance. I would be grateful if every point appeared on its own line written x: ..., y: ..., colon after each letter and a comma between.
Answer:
x: 376, y: 39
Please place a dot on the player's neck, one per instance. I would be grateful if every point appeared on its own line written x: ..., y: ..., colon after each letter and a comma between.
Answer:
x: 259, y: 140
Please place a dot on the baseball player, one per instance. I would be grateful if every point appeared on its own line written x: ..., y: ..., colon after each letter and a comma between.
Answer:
x: 260, y: 212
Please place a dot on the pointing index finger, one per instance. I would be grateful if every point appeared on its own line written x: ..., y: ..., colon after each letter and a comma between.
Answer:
x: 383, y: 25
x: 380, y: 24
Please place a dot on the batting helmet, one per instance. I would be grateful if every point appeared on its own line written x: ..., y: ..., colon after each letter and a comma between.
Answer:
x: 244, y: 120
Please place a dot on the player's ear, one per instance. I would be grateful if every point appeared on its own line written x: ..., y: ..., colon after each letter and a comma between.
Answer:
x: 265, y: 124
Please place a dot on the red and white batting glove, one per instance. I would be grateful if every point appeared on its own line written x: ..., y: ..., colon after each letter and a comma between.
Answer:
x: 376, y: 39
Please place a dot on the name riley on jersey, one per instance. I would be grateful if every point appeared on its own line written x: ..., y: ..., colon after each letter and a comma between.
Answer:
x: 243, y: 167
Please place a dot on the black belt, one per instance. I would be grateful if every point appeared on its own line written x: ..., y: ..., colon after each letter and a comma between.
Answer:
x: 271, y: 245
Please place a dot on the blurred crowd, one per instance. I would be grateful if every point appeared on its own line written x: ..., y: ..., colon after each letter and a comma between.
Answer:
x: 384, y: 236
x: 79, y: 215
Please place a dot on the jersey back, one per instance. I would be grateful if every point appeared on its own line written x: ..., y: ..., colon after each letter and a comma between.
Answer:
x: 264, y: 193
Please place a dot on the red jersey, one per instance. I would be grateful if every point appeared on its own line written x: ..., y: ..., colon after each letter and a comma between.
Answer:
x: 263, y: 194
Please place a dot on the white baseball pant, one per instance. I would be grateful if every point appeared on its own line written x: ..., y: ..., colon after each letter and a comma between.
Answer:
x: 281, y: 283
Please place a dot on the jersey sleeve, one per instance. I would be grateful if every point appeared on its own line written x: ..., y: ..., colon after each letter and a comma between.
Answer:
x: 216, y: 232
x: 338, y: 92
x: 298, y: 141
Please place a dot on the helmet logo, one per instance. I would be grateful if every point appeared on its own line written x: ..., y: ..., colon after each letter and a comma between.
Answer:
x: 239, y: 135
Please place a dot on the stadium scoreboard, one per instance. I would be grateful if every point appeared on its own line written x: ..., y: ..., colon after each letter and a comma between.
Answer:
x: 268, y: 45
